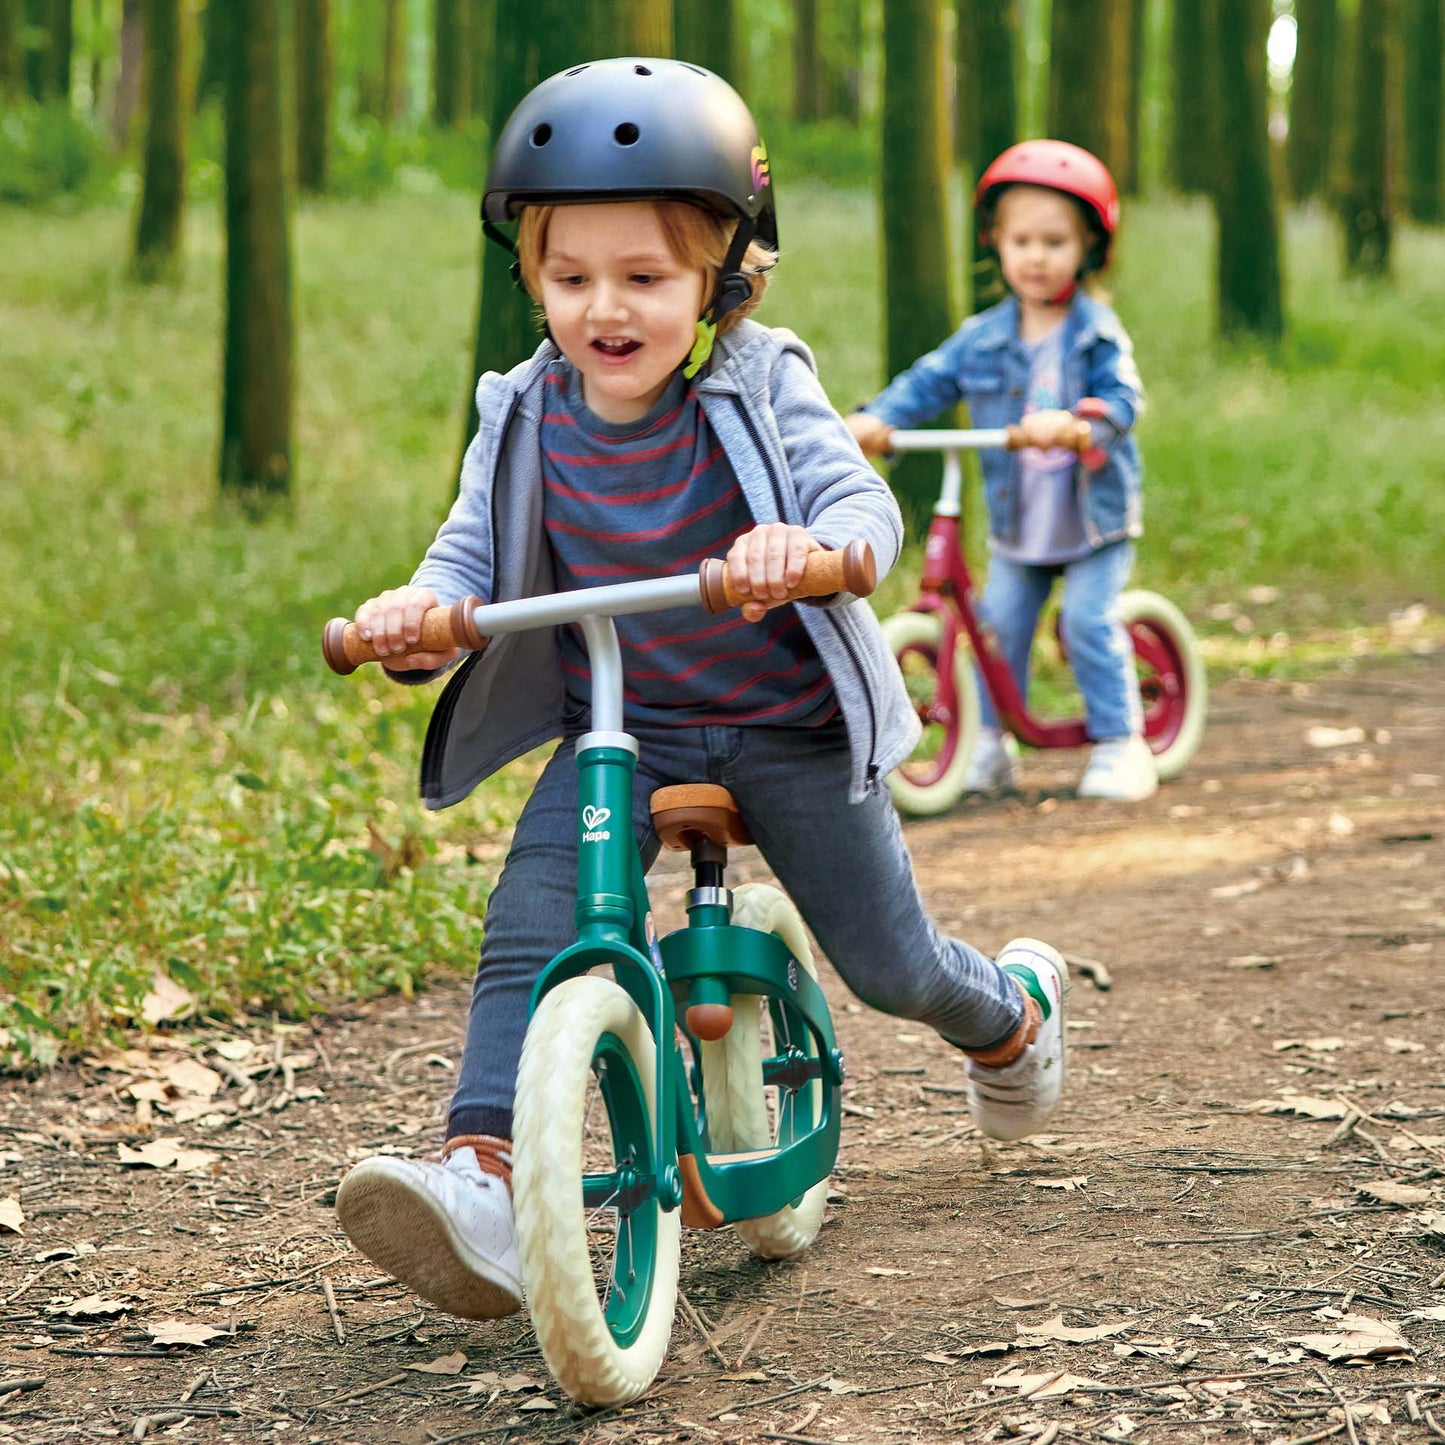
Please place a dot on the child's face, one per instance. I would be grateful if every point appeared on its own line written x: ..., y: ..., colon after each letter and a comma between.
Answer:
x: 1039, y: 236
x: 621, y: 307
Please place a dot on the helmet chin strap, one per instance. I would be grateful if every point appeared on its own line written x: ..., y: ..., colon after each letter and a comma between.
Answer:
x: 1064, y: 296
x: 733, y: 290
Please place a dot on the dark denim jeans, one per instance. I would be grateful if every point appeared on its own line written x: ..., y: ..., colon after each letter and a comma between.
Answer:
x: 846, y: 867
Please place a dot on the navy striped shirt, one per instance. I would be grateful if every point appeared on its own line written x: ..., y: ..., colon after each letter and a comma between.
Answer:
x: 652, y: 498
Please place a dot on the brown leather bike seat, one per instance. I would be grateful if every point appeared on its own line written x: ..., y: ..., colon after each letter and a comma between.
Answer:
x: 688, y: 811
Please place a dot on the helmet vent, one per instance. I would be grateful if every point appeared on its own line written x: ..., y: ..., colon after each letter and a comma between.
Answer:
x: 641, y: 70
x: 542, y: 134
x: 578, y: 69
x: 626, y: 134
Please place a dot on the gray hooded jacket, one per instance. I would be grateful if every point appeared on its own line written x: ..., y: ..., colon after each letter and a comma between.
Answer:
x: 795, y: 461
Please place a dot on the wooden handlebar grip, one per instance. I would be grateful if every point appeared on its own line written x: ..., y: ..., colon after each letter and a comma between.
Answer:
x: 849, y: 569
x: 442, y: 628
x: 1078, y: 438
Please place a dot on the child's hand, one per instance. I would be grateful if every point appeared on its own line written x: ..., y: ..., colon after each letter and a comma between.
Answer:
x: 392, y: 624
x: 1045, y: 429
x: 766, y: 562
x: 870, y: 432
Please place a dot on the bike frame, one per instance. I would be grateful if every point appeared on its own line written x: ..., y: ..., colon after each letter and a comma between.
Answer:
x: 711, y: 955
x: 947, y: 589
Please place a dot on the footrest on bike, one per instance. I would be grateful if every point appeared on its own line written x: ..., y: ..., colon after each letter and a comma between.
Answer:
x: 688, y: 811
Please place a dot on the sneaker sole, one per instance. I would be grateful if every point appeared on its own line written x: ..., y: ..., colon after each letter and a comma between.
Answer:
x: 407, y: 1234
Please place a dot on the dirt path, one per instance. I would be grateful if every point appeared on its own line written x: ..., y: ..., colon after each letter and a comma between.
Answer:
x: 1272, y: 925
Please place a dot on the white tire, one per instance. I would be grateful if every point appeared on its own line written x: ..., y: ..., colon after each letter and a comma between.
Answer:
x: 739, y: 1116
x: 603, y: 1319
x: 920, y: 786
x: 1182, y: 694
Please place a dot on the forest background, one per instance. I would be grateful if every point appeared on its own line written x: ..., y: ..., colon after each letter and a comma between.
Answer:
x: 222, y: 423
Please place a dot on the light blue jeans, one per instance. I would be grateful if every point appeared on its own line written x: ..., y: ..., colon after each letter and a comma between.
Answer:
x: 845, y: 866
x: 1100, y: 653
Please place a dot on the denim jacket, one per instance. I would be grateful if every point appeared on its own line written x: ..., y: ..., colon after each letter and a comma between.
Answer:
x: 795, y: 462
x: 986, y: 364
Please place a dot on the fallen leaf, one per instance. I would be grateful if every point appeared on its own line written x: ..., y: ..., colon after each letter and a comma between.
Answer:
x: 1403, y: 1046
x: 92, y: 1307
x: 162, y: 1153
x: 1359, y: 1338
x: 151, y: 1090
x: 888, y: 1273
x: 835, y: 1386
x: 1076, y: 1181
x: 65, y: 1251
x: 1375, y: 1410
x: 1323, y: 737
x: 186, y: 1076
x: 1304, y: 1104
x: 166, y: 999
x: 538, y: 1404
x: 932, y: 1360
x: 1056, y: 1329
x: 442, y: 1365
x: 1432, y: 1222
x: 182, y: 1332
x: 1389, y: 1191
x: 1237, y: 890
x: 1430, y: 1312
x: 513, y: 1384
x: 1041, y: 1387
x: 1221, y: 1388
x: 234, y: 1050
x: 12, y: 1217
x: 1254, y: 960
x: 1018, y: 1302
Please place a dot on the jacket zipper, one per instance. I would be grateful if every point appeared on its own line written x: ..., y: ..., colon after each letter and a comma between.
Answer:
x: 871, y: 770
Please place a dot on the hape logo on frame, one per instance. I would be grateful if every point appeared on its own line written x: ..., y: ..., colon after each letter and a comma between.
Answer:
x: 592, y: 821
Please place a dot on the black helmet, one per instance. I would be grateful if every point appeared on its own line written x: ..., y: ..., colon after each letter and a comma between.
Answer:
x: 633, y: 129
x: 637, y: 129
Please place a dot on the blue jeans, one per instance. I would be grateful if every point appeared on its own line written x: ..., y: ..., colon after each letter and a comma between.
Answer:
x: 845, y: 867
x: 1100, y: 653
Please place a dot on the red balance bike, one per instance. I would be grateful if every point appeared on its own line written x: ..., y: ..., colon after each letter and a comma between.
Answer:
x: 938, y: 639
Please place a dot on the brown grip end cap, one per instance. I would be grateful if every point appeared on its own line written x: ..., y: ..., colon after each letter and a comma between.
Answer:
x: 712, y: 584
x: 333, y: 647
x: 464, y: 629
x: 860, y: 569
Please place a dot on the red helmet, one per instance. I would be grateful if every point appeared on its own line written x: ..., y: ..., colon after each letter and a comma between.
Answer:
x: 1057, y: 166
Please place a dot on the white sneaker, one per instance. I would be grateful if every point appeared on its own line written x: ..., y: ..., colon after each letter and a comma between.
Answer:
x: 1121, y: 770
x: 992, y: 765
x: 444, y: 1230
x: 1014, y: 1101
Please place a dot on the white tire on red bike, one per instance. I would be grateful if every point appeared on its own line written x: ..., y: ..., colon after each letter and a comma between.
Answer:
x: 931, y: 781
x: 1176, y: 695
x: 740, y: 1115
x: 601, y: 1282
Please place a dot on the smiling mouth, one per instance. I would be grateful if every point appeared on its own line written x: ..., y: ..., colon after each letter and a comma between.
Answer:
x: 616, y: 348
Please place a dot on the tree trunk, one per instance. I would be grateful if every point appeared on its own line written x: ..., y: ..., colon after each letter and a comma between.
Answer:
x: 211, y: 79
x: 315, y: 78
x: 1249, y: 288
x: 1192, y: 50
x: 1089, y: 78
x: 534, y: 39
x: 451, y: 56
x: 706, y: 32
x: 807, y: 62
x: 636, y: 27
x: 126, y: 100
x: 967, y: 87
x: 10, y: 12
x: 842, y: 49
x: 914, y: 196
x: 1312, y: 97
x: 1129, y: 172
x: 62, y: 50
x: 35, y: 49
x: 484, y: 39
x: 158, y: 225
x: 257, y: 392
x: 988, y: 100
x: 1424, y: 42
x: 1365, y: 194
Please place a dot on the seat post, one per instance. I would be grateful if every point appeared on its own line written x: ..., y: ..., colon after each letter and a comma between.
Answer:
x: 709, y: 865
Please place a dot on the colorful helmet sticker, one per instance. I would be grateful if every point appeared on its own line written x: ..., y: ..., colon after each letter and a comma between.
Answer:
x: 761, y: 170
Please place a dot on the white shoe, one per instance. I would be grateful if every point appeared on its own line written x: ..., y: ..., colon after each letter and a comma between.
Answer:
x: 1014, y: 1101
x: 444, y: 1230
x: 992, y: 765
x: 1121, y: 770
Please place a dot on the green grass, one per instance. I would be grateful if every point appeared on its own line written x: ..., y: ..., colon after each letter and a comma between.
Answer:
x: 185, y: 790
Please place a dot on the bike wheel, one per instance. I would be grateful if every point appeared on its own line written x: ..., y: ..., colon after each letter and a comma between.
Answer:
x: 600, y: 1278
x: 931, y: 780
x: 745, y: 1113
x: 1172, y: 682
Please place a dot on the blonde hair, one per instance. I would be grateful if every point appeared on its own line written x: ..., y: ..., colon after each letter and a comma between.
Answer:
x: 697, y: 239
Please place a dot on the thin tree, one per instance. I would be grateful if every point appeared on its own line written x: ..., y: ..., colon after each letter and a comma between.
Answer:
x: 1312, y: 97
x: 1089, y: 78
x: 451, y: 62
x: 9, y: 48
x: 255, y: 462
x: 987, y: 104
x: 61, y: 51
x: 1424, y: 42
x: 706, y: 32
x: 126, y: 99
x: 1191, y: 49
x: 35, y: 49
x: 163, y: 185
x: 807, y: 62
x: 841, y: 33
x: 211, y: 76
x: 315, y: 81
x: 1129, y: 171
x: 638, y: 27
x: 914, y: 198
x: 1364, y: 196
x: 1249, y: 289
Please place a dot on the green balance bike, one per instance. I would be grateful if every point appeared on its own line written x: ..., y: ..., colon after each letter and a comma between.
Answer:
x: 690, y: 1079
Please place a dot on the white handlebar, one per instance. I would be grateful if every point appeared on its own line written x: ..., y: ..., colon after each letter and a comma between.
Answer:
x: 943, y: 441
